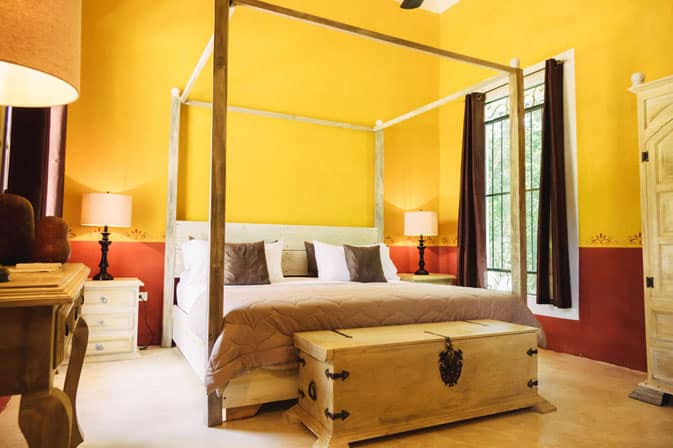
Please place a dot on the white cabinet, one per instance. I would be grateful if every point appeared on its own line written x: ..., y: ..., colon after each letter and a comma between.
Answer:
x: 111, y: 310
x: 655, y: 134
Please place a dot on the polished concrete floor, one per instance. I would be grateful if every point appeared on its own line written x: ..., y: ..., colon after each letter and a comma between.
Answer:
x: 156, y: 401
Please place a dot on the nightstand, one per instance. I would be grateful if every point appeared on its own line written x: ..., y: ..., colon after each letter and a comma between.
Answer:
x: 437, y: 279
x: 111, y: 309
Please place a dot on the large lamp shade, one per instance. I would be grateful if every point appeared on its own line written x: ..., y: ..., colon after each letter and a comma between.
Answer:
x: 420, y: 223
x: 106, y: 209
x: 40, y: 50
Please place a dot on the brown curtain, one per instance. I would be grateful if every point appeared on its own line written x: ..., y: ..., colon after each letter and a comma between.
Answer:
x: 471, y: 225
x: 37, y: 157
x: 553, y: 266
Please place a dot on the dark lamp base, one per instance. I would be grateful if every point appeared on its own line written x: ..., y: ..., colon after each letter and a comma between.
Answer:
x: 421, y: 262
x: 105, y: 242
x: 103, y: 276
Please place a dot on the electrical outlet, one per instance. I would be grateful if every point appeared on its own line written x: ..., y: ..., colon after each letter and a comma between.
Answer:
x: 142, y: 296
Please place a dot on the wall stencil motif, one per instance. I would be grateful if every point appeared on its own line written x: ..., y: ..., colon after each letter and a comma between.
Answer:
x: 437, y: 240
x: 136, y: 234
x: 604, y: 240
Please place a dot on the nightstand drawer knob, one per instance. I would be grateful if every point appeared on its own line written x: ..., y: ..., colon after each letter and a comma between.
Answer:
x: 103, y: 299
x: 99, y: 347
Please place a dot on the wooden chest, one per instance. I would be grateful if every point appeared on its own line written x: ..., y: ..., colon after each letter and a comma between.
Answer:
x: 357, y: 384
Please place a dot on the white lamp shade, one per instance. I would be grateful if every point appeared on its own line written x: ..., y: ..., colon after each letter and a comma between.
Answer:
x: 40, y: 52
x: 420, y: 223
x: 106, y: 209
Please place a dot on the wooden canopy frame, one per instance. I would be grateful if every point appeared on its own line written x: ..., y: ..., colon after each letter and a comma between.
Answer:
x: 218, y: 47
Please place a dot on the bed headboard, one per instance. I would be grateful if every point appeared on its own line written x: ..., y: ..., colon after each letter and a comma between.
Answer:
x: 293, y: 236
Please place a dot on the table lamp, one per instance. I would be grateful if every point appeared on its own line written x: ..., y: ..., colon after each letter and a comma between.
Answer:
x: 40, y: 48
x: 107, y: 210
x: 420, y: 224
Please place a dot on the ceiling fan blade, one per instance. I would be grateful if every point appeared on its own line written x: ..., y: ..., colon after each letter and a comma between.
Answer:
x: 411, y: 4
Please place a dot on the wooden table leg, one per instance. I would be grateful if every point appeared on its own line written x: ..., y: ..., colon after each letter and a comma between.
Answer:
x: 45, y: 419
x: 80, y: 339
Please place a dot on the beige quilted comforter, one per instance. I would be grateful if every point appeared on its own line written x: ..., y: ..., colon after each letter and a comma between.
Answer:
x: 260, y: 320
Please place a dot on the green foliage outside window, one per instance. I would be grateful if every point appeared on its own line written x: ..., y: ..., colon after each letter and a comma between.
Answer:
x: 498, y: 227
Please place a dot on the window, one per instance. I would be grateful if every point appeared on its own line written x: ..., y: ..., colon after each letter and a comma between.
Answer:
x: 499, y: 275
x: 498, y: 236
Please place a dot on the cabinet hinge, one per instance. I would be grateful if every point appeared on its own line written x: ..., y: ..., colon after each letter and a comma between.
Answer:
x: 649, y: 282
x: 645, y: 156
x: 532, y: 383
x: 531, y: 351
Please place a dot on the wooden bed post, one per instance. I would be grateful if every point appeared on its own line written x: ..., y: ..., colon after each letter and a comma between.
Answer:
x: 378, y: 181
x: 517, y: 181
x: 218, y: 183
x: 171, y: 211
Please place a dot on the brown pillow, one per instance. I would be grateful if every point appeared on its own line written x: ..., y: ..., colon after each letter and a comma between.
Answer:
x: 310, y: 258
x: 364, y: 263
x: 245, y: 264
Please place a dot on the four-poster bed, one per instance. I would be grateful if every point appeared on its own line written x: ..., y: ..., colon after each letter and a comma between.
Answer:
x: 281, y: 384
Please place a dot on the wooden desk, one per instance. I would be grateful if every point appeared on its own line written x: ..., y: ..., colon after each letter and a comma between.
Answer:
x: 39, y: 317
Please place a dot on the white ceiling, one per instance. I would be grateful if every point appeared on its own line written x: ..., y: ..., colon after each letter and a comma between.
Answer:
x: 436, y: 6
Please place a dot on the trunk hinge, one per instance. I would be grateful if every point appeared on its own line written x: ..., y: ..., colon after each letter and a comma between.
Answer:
x: 649, y: 282
x: 343, y: 415
x: 645, y: 156
x: 333, y: 376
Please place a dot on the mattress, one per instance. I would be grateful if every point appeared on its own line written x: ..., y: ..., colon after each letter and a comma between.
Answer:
x: 259, y: 321
x: 192, y: 299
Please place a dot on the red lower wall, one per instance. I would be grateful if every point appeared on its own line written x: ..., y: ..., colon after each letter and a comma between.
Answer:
x: 611, y: 327
x: 132, y: 259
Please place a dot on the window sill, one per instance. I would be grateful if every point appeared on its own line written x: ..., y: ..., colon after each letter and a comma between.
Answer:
x: 551, y: 311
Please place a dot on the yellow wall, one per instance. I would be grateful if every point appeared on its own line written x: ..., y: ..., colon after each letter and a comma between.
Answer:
x: 135, y: 51
x: 612, y: 39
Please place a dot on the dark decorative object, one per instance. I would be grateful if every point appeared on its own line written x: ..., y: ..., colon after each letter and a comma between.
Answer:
x: 51, y: 240
x: 17, y: 229
x: 4, y: 274
x: 105, y: 242
x: 450, y: 364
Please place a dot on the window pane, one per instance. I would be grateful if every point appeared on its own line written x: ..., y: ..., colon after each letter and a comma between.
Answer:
x: 489, y: 158
x: 502, y: 281
x: 498, y: 224
x: 506, y: 233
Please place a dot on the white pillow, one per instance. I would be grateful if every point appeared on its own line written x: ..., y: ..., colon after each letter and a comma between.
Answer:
x: 331, y: 262
x: 195, y: 259
x: 389, y: 268
x: 274, y: 257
